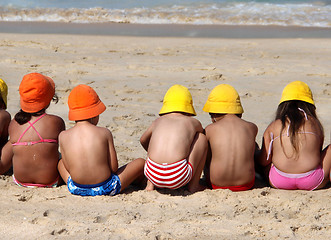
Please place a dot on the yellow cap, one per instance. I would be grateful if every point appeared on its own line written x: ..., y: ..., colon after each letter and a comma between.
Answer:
x: 297, y: 90
x: 3, y: 91
x: 177, y: 99
x: 223, y: 99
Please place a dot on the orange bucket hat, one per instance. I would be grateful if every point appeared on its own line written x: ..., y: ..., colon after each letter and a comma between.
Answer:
x: 36, y: 91
x: 84, y: 103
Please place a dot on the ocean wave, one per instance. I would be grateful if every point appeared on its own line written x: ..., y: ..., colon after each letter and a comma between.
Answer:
x: 252, y: 13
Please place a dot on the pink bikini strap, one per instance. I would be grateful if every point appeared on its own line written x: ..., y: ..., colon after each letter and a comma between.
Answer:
x: 31, y: 125
x: 270, y: 145
x: 306, y: 117
x: 287, y: 133
x: 288, y: 129
x: 300, y: 109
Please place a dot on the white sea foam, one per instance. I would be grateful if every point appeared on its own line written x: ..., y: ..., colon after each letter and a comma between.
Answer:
x: 229, y: 13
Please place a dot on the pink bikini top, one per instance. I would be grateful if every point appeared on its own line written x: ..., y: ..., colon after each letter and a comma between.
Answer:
x: 19, y: 143
x: 287, y: 134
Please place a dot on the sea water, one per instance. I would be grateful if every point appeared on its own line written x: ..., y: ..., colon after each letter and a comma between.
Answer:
x: 196, y: 12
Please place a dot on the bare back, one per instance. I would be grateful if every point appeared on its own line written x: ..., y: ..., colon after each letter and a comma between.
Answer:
x: 170, y: 137
x: 310, y: 139
x: 232, y: 144
x: 36, y: 163
x: 88, y: 153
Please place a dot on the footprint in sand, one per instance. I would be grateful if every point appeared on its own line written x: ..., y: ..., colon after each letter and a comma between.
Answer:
x: 59, y: 232
x: 327, y: 92
x: 246, y: 95
x: 213, y: 77
x: 100, y: 219
x: 23, y: 198
x: 126, y: 99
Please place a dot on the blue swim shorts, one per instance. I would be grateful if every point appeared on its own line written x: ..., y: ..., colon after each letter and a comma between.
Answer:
x: 111, y: 186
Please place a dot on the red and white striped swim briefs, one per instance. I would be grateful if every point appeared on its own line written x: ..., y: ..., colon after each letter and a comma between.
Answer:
x: 168, y: 175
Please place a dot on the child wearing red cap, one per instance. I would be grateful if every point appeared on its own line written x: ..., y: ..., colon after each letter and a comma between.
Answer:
x: 89, y: 163
x: 33, y: 144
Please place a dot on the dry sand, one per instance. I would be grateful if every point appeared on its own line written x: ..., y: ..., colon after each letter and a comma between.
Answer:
x: 131, y: 75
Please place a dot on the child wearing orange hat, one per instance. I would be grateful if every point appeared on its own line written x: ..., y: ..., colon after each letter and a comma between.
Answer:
x: 230, y: 161
x: 175, y: 144
x: 33, y: 143
x: 89, y: 163
x: 292, y: 144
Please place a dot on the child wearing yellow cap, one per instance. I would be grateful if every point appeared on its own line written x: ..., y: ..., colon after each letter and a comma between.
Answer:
x: 5, y: 161
x: 89, y: 162
x: 4, y: 115
x: 33, y: 134
x: 176, y: 147
x: 230, y: 161
x: 292, y: 144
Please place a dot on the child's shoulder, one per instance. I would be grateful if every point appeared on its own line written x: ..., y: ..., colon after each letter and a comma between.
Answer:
x: 54, y: 118
x: 195, y: 122
x: 100, y: 132
x: 193, y: 119
x: 274, y: 126
x: 250, y: 124
x: 4, y: 114
x: 209, y: 128
x: 275, y: 123
x: 103, y: 129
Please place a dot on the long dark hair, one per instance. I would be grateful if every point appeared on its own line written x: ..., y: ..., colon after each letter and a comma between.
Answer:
x: 289, y: 111
x: 23, y: 117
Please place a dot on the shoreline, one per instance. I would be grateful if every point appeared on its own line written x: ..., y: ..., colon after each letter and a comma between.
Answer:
x: 164, y: 30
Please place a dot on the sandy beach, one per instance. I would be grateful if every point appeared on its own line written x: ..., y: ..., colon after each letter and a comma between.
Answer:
x: 131, y: 76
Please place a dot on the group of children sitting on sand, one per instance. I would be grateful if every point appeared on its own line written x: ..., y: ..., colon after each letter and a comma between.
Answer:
x: 178, y: 148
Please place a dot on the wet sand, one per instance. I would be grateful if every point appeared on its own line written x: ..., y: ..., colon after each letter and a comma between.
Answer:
x: 165, y: 30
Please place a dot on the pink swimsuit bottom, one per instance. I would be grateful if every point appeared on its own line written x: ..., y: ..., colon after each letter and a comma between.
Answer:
x: 36, y: 185
x: 303, y: 181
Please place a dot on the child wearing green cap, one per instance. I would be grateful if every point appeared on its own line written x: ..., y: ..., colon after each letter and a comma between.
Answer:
x: 292, y: 144
x: 175, y: 144
x: 5, y: 118
x: 230, y: 159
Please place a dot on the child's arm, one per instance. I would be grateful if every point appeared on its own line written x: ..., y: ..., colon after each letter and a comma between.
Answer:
x: 198, y: 126
x: 4, y: 124
x: 112, y: 154
x: 62, y: 165
x: 206, y: 170
x: 146, y: 137
x: 63, y: 170
x: 263, y: 153
x: 6, y: 158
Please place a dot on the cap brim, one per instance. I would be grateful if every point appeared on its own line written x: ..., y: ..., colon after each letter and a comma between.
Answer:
x: 87, y: 113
